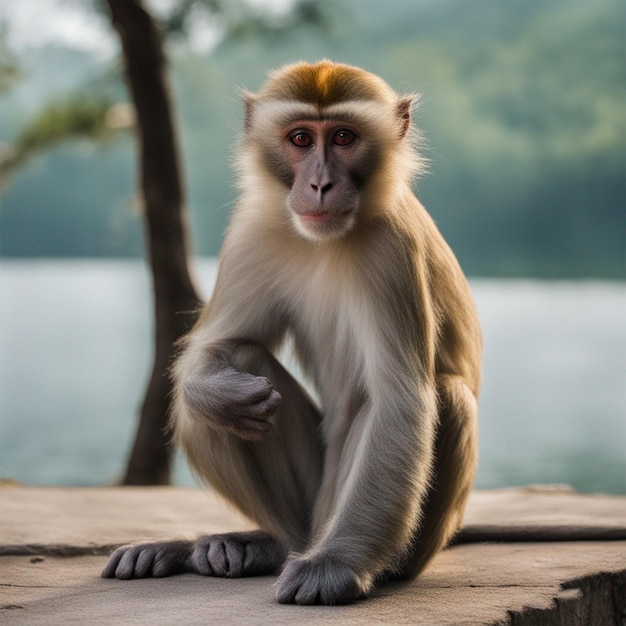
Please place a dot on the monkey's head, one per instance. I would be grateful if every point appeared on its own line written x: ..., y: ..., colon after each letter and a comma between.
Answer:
x: 334, y: 138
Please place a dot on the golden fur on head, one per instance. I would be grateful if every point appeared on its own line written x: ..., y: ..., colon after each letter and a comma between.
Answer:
x: 325, y: 83
x: 331, y: 91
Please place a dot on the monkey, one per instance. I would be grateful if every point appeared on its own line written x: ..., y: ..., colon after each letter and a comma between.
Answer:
x: 365, y: 478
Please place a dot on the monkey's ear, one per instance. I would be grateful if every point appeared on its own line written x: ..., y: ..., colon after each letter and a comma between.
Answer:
x: 248, y: 102
x: 403, y: 109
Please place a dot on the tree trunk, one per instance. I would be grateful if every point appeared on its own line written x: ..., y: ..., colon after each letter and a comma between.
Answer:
x: 175, y: 299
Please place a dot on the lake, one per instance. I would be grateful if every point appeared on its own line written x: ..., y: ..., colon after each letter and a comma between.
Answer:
x: 75, y: 349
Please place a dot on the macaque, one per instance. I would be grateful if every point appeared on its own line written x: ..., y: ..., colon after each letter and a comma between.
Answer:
x: 329, y: 249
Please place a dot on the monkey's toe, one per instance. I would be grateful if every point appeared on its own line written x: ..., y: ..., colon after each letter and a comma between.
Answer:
x: 149, y: 560
x: 233, y: 555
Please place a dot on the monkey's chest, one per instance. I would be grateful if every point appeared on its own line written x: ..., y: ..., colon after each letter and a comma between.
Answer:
x: 329, y: 341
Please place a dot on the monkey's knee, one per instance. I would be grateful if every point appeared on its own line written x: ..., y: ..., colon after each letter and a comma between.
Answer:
x: 457, y: 437
x: 456, y: 456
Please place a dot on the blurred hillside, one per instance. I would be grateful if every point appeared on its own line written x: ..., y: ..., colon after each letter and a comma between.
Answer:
x: 522, y: 108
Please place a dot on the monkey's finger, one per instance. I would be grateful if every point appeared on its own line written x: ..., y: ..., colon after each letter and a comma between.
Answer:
x: 145, y: 562
x: 269, y: 406
x: 112, y: 563
x: 262, y: 410
x: 250, y: 429
x: 249, y: 422
x: 256, y: 389
x: 252, y: 556
x: 218, y: 558
x: 200, y: 557
x: 234, y: 552
x: 126, y: 567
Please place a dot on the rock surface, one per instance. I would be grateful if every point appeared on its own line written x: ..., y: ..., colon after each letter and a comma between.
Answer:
x: 520, y: 583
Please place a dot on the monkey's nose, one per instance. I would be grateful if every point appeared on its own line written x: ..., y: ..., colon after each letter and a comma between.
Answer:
x: 321, y: 189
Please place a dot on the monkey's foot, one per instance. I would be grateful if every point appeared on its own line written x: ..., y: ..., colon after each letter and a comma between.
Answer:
x: 234, y: 555
x: 147, y: 560
x: 319, y: 580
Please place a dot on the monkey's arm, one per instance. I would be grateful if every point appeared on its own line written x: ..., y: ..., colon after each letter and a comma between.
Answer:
x: 381, y: 488
x: 211, y: 384
x: 385, y: 459
x: 224, y: 397
x: 215, y: 392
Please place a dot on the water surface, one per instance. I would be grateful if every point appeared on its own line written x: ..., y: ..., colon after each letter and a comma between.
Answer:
x: 75, y: 350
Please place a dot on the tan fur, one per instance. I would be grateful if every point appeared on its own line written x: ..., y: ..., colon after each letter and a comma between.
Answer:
x: 374, y: 481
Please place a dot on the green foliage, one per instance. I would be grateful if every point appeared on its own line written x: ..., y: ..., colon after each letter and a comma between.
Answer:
x: 9, y: 70
x: 76, y: 117
x: 522, y: 107
x: 240, y: 19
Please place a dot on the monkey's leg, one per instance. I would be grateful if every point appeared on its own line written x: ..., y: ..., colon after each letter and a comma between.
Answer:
x: 274, y: 481
x: 456, y: 455
x: 381, y: 478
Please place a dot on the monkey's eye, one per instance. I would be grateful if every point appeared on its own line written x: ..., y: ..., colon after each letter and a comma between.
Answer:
x: 301, y: 139
x: 344, y: 138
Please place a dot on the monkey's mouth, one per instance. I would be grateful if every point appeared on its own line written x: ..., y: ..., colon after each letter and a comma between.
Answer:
x: 324, y: 217
x: 320, y: 218
x: 320, y: 225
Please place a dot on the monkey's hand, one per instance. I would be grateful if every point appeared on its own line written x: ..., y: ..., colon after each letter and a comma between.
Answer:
x: 237, y: 402
x: 319, y: 580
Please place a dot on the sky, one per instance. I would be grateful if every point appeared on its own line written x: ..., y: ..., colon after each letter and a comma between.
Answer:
x: 35, y: 23
x: 74, y: 23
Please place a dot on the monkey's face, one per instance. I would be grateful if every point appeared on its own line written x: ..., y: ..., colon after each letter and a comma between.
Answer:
x: 327, y: 160
x: 333, y: 138
x: 328, y: 170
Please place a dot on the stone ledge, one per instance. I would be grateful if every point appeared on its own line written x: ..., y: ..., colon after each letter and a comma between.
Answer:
x: 519, y: 584
x: 92, y: 520
x: 599, y: 599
